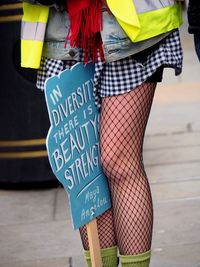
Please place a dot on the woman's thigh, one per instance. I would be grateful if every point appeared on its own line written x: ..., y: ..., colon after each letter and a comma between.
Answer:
x: 123, y: 122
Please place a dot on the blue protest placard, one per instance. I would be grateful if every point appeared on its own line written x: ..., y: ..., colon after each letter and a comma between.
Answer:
x: 73, y: 142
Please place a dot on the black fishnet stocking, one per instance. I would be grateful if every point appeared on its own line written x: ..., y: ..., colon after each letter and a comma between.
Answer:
x: 123, y: 123
x: 105, y: 231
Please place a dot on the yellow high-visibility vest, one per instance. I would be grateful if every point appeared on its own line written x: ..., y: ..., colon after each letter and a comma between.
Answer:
x: 145, y: 19
x: 33, y: 29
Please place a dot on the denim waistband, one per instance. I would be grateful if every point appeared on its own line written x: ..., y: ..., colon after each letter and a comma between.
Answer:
x: 58, y: 50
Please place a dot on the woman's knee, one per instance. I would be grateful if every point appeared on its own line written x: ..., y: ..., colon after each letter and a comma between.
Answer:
x: 108, y: 163
x: 120, y: 167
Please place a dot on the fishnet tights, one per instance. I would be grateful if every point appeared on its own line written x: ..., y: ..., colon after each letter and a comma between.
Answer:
x: 105, y: 230
x: 123, y: 122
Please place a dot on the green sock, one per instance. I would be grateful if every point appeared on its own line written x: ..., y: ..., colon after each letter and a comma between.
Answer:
x: 139, y: 260
x: 109, y: 257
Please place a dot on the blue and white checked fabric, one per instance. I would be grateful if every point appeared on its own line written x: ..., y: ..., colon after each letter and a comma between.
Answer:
x: 124, y: 75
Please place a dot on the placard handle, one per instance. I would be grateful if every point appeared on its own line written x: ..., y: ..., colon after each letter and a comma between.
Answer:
x: 94, y: 245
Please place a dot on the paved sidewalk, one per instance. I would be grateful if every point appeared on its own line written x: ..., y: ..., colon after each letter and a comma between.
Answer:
x: 35, y: 226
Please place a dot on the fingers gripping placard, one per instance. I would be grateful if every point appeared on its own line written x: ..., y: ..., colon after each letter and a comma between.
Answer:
x: 73, y: 142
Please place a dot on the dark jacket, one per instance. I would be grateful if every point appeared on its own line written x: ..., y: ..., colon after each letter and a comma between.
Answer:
x: 58, y: 4
x: 194, y: 16
x: 42, y: 2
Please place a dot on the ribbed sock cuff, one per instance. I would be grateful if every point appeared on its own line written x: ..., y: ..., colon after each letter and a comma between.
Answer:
x: 109, y: 257
x: 138, y: 260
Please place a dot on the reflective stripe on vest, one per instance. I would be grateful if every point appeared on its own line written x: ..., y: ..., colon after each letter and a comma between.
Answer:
x: 146, y: 20
x: 147, y: 6
x: 33, y: 29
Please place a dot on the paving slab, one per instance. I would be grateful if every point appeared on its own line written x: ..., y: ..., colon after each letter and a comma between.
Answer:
x: 173, y: 172
x: 196, y: 126
x: 26, y: 206
x: 168, y: 141
x: 172, y: 155
x: 179, y: 92
x: 172, y: 119
x: 75, y: 261
x: 38, y: 241
x: 62, y: 210
x: 176, y: 223
x: 176, y: 190
x: 176, y: 256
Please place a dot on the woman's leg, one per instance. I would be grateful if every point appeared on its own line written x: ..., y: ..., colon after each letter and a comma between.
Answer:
x: 105, y: 231
x: 123, y: 122
x: 107, y: 240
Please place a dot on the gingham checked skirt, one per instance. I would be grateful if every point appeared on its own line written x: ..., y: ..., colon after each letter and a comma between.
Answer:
x: 124, y: 75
